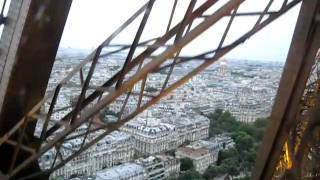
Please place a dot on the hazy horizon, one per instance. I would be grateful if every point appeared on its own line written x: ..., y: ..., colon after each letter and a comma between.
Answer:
x: 90, y: 22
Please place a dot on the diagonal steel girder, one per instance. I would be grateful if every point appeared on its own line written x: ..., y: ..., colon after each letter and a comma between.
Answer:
x: 27, y: 56
x: 223, y: 11
x: 89, y: 111
x: 160, y: 41
x: 301, y: 140
x: 304, y: 46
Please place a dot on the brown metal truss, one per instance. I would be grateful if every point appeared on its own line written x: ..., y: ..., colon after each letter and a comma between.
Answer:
x: 133, y: 75
x: 300, y: 154
x: 289, y: 103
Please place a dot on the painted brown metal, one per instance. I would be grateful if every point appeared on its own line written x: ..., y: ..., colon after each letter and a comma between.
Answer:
x: 71, y: 74
x: 223, y: 51
x: 300, y: 59
x: 47, y: 119
x: 86, y: 84
x: 159, y: 42
x: 299, y: 157
x: 172, y: 14
x: 29, y: 76
x: 179, y: 35
x: 245, y: 37
x: 135, y: 42
x: 257, y: 28
x: 123, y: 87
x: 226, y: 9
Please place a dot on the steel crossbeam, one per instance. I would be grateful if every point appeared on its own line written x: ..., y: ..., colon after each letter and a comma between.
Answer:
x: 304, y: 47
x: 133, y: 74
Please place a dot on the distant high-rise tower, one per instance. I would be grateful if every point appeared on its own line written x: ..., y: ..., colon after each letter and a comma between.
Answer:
x: 223, y: 69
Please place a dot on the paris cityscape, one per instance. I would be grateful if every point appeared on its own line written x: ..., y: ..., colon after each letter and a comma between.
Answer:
x: 160, y: 90
x: 194, y: 126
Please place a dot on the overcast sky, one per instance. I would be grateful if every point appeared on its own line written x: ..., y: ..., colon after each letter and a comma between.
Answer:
x: 91, y: 21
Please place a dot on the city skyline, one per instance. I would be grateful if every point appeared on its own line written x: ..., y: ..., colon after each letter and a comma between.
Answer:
x: 271, y: 44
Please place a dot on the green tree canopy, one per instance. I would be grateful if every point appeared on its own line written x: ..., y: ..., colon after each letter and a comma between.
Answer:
x: 186, y: 164
x: 190, y: 174
x: 243, y: 140
x: 214, y: 171
x: 247, y: 138
x: 221, y: 121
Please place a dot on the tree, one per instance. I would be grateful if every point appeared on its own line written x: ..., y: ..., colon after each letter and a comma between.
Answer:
x: 222, y: 121
x: 243, y: 140
x: 261, y: 123
x: 217, y: 113
x: 260, y: 128
x: 190, y: 174
x: 214, y: 171
x: 242, y: 178
x: 186, y: 164
x: 225, y: 154
x: 231, y: 166
x: 247, y: 128
x: 247, y: 137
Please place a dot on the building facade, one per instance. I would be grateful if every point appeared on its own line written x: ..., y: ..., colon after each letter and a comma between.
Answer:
x: 127, y: 171
x: 160, y: 166
x: 205, y: 152
x: 114, y: 149
x: 199, y: 155
x: 158, y: 137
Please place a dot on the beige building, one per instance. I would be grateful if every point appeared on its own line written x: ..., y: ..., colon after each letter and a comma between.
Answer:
x: 127, y: 171
x: 160, y: 167
x: 114, y: 149
x: 171, y: 164
x: 155, y: 137
x: 199, y: 155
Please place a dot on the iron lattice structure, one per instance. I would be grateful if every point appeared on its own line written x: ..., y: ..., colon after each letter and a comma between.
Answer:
x: 300, y: 153
x: 128, y: 84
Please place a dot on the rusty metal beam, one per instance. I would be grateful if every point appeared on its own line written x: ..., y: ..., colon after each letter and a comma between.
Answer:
x: 198, y: 12
x: 105, y: 43
x: 248, y: 14
x: 205, y: 56
x: 179, y: 35
x: 86, y: 84
x: 89, y: 112
x: 172, y: 14
x: 304, y: 46
x: 23, y: 147
x: 141, y: 75
x: 135, y: 42
x: 266, y: 9
x: 204, y: 65
x: 27, y: 69
x: 89, y: 107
